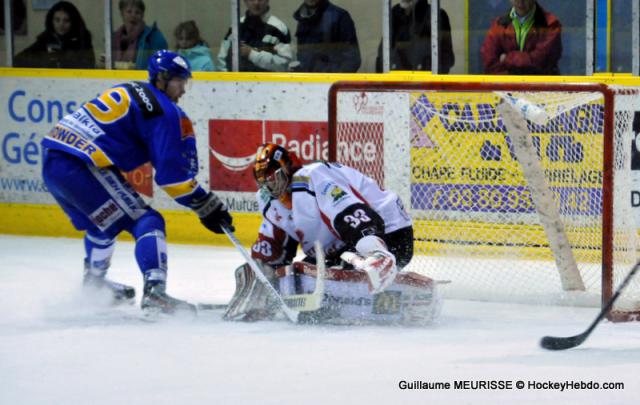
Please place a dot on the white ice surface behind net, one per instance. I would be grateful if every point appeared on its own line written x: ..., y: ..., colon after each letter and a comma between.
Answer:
x: 60, y: 347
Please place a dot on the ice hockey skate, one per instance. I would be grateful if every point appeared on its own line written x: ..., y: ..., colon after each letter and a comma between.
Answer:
x: 155, y: 300
x: 96, y: 279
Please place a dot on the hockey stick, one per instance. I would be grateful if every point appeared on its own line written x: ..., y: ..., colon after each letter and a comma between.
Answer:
x: 313, y: 301
x: 562, y: 343
x: 210, y: 307
x: 301, y: 302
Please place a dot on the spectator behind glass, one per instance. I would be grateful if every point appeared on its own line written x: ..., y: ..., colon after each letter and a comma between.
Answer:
x: 327, y: 40
x: 192, y: 47
x: 265, y: 41
x: 525, y: 41
x: 411, y: 38
x: 65, y: 42
x: 134, y: 42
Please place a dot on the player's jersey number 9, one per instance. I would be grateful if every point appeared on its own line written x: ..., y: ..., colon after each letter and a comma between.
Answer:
x: 110, y: 106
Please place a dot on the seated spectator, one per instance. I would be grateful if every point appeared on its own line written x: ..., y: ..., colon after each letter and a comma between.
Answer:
x: 134, y: 42
x: 411, y: 38
x: 525, y: 41
x: 65, y: 42
x: 327, y: 40
x: 192, y: 47
x: 265, y: 42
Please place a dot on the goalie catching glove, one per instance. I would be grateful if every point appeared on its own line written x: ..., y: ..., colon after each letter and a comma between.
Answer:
x: 213, y: 213
x: 375, y: 260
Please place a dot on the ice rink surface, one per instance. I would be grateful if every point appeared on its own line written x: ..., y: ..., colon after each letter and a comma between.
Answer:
x: 59, y: 346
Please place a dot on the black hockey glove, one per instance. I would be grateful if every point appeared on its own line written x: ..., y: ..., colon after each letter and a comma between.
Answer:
x: 213, y: 213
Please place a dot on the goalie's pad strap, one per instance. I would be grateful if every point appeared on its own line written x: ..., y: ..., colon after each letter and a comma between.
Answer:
x: 353, y: 276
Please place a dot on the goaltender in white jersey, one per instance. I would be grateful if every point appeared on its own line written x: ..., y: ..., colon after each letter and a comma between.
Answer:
x: 336, y: 205
x: 364, y: 231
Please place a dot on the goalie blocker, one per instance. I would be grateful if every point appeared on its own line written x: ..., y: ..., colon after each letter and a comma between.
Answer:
x: 411, y: 300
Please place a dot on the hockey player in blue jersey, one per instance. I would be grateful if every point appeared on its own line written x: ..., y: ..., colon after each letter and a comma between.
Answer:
x: 126, y: 126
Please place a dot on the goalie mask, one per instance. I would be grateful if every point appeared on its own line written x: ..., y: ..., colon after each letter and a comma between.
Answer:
x: 273, y: 168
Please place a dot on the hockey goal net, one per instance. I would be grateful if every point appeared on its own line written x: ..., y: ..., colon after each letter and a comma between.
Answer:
x: 518, y: 192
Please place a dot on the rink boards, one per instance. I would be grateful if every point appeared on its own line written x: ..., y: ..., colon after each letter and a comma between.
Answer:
x: 232, y: 114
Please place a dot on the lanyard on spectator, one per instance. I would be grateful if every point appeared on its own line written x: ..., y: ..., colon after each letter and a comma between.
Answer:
x: 522, y: 29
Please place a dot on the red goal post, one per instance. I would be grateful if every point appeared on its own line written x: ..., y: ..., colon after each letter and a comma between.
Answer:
x: 499, y: 224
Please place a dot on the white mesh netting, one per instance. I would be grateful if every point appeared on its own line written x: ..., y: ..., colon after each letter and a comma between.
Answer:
x: 450, y: 157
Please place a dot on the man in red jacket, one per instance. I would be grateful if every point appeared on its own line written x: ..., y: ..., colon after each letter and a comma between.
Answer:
x: 526, y: 41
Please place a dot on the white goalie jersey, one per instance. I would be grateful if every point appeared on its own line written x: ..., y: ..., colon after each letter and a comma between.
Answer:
x: 330, y: 203
x: 337, y: 206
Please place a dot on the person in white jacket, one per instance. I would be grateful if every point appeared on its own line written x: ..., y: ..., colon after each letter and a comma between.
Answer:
x: 265, y: 41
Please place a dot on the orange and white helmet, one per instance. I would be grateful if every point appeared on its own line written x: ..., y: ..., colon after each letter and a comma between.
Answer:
x: 273, y: 168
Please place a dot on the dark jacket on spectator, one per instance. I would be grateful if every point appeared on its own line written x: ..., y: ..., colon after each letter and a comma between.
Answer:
x: 411, y: 40
x: 72, y: 50
x: 541, y: 52
x: 327, y: 40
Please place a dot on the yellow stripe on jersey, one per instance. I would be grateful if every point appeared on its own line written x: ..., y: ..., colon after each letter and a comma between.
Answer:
x: 100, y: 159
x: 178, y: 190
x: 73, y: 140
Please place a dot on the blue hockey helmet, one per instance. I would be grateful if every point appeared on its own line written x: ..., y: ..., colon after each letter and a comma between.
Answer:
x: 168, y: 64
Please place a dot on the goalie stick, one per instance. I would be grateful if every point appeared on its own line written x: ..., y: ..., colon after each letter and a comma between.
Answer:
x: 303, y: 302
x: 210, y: 307
x: 562, y: 343
x: 313, y: 301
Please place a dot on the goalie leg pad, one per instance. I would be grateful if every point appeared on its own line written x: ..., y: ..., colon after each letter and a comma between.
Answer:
x: 251, y: 301
x: 411, y: 299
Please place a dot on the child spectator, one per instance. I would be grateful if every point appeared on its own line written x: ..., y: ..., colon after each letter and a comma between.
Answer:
x: 192, y: 47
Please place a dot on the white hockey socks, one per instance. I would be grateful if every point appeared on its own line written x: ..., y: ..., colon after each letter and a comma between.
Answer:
x: 98, y: 254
